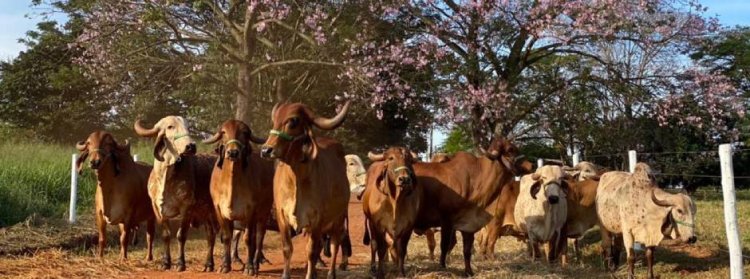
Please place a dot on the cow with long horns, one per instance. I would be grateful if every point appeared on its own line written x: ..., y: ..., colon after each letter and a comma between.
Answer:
x: 311, y: 190
x: 242, y: 190
x: 179, y: 186
x: 121, y: 195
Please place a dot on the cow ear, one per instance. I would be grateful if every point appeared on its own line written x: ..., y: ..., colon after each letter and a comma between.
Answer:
x: 81, y: 158
x: 565, y: 186
x: 382, y: 181
x: 248, y: 150
x: 220, y: 161
x: 310, y: 148
x: 667, y: 225
x: 158, y: 147
x: 535, y: 188
x: 116, y: 163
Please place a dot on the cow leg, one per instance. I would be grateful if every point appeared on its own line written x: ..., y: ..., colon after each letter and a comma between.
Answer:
x: 166, y: 237
x: 402, y: 243
x: 468, y: 238
x: 124, y: 241
x: 314, y: 246
x: 430, y: 235
x: 650, y: 261
x: 335, y: 240
x: 488, y: 241
x: 346, y: 248
x: 101, y: 227
x: 577, y: 249
x: 150, y: 231
x: 286, y: 241
x: 227, y: 229
x: 607, y: 253
x: 617, y: 248
x: 181, y: 238
x: 381, y: 246
x: 208, y: 265
x: 446, y: 238
x: 250, y: 243
x: 373, y: 254
x: 628, y: 243
x: 236, y: 251
x: 260, y: 235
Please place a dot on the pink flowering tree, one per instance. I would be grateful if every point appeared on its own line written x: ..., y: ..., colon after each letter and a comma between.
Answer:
x: 489, y: 58
x: 207, y: 38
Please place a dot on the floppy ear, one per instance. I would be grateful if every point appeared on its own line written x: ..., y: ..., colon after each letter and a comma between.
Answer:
x: 116, y: 163
x: 565, y: 186
x: 310, y: 148
x: 535, y: 188
x: 220, y: 151
x: 382, y: 181
x: 667, y: 225
x: 81, y: 158
x: 159, y: 145
x: 248, y: 150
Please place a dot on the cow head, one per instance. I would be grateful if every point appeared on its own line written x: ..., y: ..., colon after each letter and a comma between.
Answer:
x: 103, y: 152
x: 551, y: 181
x: 396, y: 171
x: 582, y: 171
x: 292, y: 136
x: 507, y: 153
x: 679, y: 222
x: 234, y: 138
x: 172, y: 139
x: 355, y: 173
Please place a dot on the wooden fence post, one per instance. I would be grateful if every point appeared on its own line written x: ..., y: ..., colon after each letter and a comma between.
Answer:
x: 730, y: 211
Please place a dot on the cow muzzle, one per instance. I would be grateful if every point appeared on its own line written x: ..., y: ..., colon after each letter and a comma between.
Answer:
x: 553, y: 199
x: 233, y: 154
x: 266, y: 152
x: 95, y: 164
x: 190, y: 149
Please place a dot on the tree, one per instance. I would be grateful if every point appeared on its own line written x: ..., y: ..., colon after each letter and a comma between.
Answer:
x: 489, y: 55
x: 42, y: 90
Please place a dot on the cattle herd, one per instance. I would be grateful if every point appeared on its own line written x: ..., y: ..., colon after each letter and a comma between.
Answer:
x: 299, y: 183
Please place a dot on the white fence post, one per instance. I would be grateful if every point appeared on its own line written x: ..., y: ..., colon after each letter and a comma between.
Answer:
x: 73, y: 189
x: 576, y: 158
x: 135, y: 158
x: 539, y: 162
x: 632, y: 159
x: 730, y: 211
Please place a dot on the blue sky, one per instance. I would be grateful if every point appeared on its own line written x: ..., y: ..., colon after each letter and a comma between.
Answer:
x: 18, y: 16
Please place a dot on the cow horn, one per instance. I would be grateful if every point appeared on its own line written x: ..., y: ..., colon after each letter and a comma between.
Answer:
x: 375, y: 157
x: 332, y: 123
x: 81, y: 145
x: 143, y: 132
x: 257, y: 139
x: 535, y: 176
x: 213, y: 139
x: 657, y: 201
x: 414, y: 155
x: 273, y: 111
x: 494, y: 154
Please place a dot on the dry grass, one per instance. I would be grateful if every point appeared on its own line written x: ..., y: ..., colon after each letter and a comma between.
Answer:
x: 706, y: 259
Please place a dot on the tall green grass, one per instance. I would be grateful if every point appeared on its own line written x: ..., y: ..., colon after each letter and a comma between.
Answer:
x: 35, y: 178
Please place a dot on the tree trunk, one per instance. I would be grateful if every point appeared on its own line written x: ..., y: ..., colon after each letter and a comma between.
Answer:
x: 244, y: 96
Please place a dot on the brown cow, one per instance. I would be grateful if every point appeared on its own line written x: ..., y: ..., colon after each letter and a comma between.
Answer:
x: 242, y: 190
x: 503, y: 222
x: 461, y: 191
x: 311, y: 190
x: 391, y: 203
x: 581, y: 200
x: 179, y: 186
x: 121, y: 197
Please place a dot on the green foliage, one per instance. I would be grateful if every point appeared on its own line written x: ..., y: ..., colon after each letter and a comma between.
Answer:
x: 458, y: 139
x: 43, y: 91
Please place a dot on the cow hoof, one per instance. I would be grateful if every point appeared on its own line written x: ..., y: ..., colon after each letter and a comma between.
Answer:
x: 225, y: 268
x: 181, y: 268
x: 343, y: 266
x: 331, y: 275
x: 208, y: 268
x: 250, y: 271
x: 166, y: 266
x: 468, y: 273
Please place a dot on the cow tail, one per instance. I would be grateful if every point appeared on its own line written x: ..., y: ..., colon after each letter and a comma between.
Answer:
x: 366, y: 238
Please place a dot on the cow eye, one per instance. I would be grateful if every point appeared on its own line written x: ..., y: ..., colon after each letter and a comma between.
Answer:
x: 390, y: 158
x: 293, y: 122
x: 170, y: 127
x: 679, y: 211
